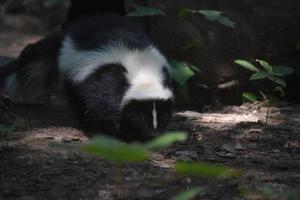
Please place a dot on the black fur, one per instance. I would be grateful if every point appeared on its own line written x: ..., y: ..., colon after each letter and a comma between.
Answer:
x: 100, y: 30
x: 136, y: 118
x: 96, y: 101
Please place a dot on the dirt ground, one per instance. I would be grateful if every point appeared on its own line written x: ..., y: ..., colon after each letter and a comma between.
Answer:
x: 33, y: 166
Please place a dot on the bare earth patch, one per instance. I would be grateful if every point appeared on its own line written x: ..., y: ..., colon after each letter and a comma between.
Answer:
x: 33, y: 166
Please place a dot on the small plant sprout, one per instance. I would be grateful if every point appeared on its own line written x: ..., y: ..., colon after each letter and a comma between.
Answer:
x: 274, y: 73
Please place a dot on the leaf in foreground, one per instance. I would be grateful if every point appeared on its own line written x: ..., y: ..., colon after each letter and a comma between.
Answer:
x: 265, y: 65
x: 141, y: 11
x: 181, y: 72
x: 282, y: 70
x: 206, y: 170
x: 259, y: 75
x: 113, y: 150
x: 189, y: 194
x: 246, y: 65
x: 249, y: 96
x: 212, y: 15
x: 166, y: 140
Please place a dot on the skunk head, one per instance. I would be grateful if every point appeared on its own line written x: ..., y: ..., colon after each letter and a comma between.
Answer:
x: 143, y: 119
x: 147, y: 103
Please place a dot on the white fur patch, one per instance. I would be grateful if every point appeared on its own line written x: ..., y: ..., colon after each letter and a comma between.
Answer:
x: 144, y: 67
x: 154, y: 115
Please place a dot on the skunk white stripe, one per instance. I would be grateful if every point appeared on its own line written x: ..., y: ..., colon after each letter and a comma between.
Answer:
x: 79, y: 64
x: 144, y: 67
x: 154, y: 115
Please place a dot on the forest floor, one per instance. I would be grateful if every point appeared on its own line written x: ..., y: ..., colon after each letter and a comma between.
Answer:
x: 33, y: 167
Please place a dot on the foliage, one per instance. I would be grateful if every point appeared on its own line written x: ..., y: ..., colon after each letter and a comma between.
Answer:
x: 141, y: 11
x: 166, y: 140
x: 212, y: 15
x: 181, y: 72
x: 188, y: 194
x: 206, y: 170
x: 116, y: 151
x: 274, y: 73
x: 249, y: 96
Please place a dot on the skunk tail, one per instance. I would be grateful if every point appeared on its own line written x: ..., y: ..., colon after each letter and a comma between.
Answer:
x: 35, y: 73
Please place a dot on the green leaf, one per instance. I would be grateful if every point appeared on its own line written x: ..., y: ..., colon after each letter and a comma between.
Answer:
x: 246, y: 65
x: 180, y: 72
x: 214, y: 15
x: 113, y: 150
x: 279, y: 90
x: 265, y: 65
x: 211, y: 15
x: 184, y: 12
x: 141, y: 11
x: 206, y: 170
x: 189, y: 194
x: 249, y: 96
x: 282, y: 70
x: 259, y: 75
x: 166, y: 140
x: 195, y: 69
x: 279, y: 81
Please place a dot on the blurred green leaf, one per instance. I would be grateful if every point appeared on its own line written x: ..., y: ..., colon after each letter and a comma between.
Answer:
x: 206, y: 170
x: 214, y: 15
x: 189, y: 194
x: 265, y: 65
x: 113, y: 150
x: 282, y: 70
x: 246, y: 65
x: 211, y: 15
x: 279, y: 81
x: 249, y: 96
x: 141, y: 11
x: 259, y: 75
x: 195, y: 69
x: 166, y: 140
x: 181, y: 72
x: 184, y: 12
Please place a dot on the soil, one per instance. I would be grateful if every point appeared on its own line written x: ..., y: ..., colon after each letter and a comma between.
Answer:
x: 36, y: 163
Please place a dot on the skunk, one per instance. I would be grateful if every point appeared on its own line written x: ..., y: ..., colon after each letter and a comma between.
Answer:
x: 116, y: 80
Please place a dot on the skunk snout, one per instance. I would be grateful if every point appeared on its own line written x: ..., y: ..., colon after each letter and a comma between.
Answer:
x: 144, y: 119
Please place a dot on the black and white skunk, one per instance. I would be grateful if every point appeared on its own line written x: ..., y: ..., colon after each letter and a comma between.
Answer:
x: 117, y: 81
